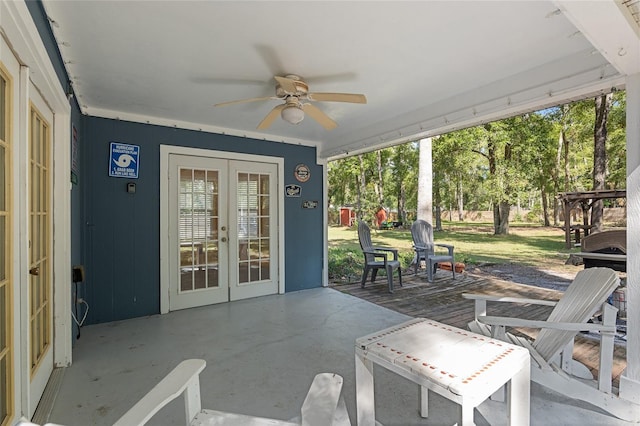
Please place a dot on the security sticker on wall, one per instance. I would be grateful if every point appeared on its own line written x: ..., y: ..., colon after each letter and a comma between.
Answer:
x: 292, y: 190
x: 302, y: 172
x: 124, y: 160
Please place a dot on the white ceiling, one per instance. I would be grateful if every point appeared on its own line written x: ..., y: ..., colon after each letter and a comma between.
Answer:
x: 426, y: 67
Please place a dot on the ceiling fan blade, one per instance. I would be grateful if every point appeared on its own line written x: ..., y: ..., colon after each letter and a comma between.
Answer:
x: 317, y: 114
x: 287, y: 84
x: 242, y: 101
x: 338, y: 97
x: 271, y: 117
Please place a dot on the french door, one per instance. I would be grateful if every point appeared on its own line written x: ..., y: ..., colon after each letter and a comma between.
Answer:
x: 223, y: 233
x: 40, y: 291
x: 7, y: 352
x: 37, y: 318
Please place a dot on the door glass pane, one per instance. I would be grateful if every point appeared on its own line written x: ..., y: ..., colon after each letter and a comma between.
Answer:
x: 39, y: 229
x: 198, y: 229
x: 4, y: 317
x: 3, y: 113
x: 253, y: 226
x: 3, y: 251
x: 4, y: 389
x: 6, y: 324
x: 3, y: 178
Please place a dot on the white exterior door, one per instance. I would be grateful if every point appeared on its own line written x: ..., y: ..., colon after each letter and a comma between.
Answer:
x: 9, y: 72
x: 253, y: 237
x: 35, y: 134
x: 198, y: 231
x: 40, y: 287
x: 222, y: 230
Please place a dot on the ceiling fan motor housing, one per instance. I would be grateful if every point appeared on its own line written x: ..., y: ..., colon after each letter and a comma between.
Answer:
x: 301, y: 87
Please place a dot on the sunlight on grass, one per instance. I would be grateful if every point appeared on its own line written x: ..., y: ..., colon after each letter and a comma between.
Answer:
x: 474, y: 242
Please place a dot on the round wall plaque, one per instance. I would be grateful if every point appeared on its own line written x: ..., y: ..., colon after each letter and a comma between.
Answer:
x: 302, y: 173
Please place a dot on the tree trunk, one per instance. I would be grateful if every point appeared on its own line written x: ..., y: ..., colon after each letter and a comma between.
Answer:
x: 491, y: 156
x: 402, y: 214
x: 496, y: 218
x: 545, y: 207
x: 504, y: 210
x: 504, y: 207
x: 379, y: 183
x: 566, y: 161
x: 603, y: 105
x: 557, y: 205
x: 361, y: 189
x: 460, y: 200
x: 438, y: 204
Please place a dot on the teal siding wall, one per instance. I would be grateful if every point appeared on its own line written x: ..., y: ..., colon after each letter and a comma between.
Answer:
x: 122, y: 231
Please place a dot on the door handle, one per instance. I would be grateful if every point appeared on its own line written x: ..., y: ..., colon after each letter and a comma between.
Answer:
x: 35, y: 270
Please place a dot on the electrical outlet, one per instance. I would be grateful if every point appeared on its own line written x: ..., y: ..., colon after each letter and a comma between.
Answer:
x: 78, y: 273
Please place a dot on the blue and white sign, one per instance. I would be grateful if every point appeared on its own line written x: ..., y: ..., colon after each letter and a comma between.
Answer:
x: 124, y: 160
x: 293, y: 190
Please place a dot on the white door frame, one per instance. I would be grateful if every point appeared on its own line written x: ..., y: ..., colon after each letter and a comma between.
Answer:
x: 165, y: 151
x: 18, y: 27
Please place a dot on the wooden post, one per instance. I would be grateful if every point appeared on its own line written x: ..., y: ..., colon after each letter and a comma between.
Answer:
x: 567, y: 222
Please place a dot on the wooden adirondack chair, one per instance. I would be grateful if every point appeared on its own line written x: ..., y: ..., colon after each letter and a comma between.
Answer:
x: 425, y: 248
x: 377, y: 258
x: 552, y: 363
x: 323, y: 405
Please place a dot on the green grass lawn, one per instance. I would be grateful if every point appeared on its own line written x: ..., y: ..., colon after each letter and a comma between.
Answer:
x: 474, y: 244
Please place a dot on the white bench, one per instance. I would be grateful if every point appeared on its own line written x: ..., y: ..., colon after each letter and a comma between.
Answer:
x: 462, y: 366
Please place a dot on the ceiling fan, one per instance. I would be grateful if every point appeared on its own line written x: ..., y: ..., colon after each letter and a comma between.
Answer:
x: 294, y: 91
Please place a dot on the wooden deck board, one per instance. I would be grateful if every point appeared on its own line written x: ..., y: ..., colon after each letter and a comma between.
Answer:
x: 442, y: 301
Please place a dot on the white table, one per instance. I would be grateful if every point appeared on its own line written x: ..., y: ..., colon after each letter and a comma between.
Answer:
x: 462, y: 366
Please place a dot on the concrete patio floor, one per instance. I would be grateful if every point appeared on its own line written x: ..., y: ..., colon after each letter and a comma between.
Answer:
x: 262, y: 355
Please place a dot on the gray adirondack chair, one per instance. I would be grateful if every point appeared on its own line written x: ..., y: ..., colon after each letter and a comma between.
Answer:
x: 425, y: 248
x: 377, y: 258
x: 552, y: 364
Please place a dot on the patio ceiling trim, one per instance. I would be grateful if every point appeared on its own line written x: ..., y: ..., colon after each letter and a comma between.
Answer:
x: 460, y: 113
x: 619, y: 43
x: 160, y: 121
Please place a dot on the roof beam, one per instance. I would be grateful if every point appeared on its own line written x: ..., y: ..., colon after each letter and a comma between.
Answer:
x: 610, y: 28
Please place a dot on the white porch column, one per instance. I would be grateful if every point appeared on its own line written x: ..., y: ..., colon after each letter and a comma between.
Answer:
x: 630, y: 380
x: 425, y: 182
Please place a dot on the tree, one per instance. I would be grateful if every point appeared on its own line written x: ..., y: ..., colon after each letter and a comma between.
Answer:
x: 457, y: 171
x: 602, y: 107
x: 403, y: 177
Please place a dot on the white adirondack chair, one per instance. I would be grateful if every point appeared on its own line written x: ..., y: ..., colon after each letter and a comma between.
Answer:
x: 551, y: 351
x: 323, y: 405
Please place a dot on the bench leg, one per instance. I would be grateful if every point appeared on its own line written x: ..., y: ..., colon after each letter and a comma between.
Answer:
x: 518, y: 393
x: 467, y: 415
x: 424, y: 402
x: 365, y: 404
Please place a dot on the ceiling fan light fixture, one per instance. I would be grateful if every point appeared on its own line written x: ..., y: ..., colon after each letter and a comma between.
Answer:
x: 292, y: 114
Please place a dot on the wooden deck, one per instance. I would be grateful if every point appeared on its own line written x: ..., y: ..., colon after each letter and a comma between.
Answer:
x: 442, y: 301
